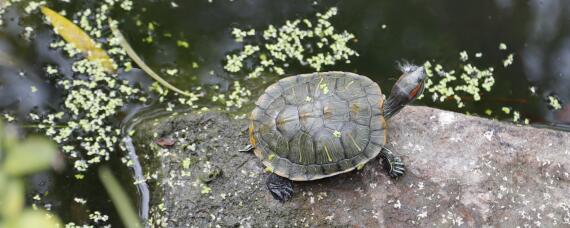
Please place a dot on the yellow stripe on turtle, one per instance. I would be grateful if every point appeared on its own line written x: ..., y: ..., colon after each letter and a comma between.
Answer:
x: 328, y: 154
x: 354, y: 142
x: 348, y: 85
x: 251, y: 135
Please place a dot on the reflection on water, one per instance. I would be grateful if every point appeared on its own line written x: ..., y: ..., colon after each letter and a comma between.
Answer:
x: 546, y: 54
x: 536, y: 31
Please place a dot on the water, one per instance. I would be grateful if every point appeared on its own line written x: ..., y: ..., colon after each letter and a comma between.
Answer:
x: 535, y: 31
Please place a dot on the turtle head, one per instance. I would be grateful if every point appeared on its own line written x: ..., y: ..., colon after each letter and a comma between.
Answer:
x: 408, y: 87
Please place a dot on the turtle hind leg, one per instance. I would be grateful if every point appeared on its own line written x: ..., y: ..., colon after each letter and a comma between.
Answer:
x: 281, y: 188
x: 392, y: 163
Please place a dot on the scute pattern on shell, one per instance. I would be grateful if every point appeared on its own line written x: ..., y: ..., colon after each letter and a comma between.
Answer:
x: 317, y: 125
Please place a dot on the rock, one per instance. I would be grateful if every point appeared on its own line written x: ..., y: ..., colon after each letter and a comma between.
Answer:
x: 463, y: 171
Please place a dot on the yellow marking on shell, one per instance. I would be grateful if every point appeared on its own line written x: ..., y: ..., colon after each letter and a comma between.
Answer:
x: 271, y: 157
x: 269, y: 169
x: 355, y: 108
x: 348, y: 85
x: 303, y: 115
x: 251, y: 135
x: 327, y: 112
x: 354, y: 142
x: 328, y: 154
x: 325, y: 88
x: 293, y: 91
x: 336, y: 133
x: 318, y: 86
x: 385, y: 124
x: 281, y: 121
x: 360, y: 166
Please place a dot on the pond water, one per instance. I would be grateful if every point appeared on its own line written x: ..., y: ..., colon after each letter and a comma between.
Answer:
x: 536, y: 33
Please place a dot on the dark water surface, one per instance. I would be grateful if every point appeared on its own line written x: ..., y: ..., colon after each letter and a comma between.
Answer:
x: 537, y: 32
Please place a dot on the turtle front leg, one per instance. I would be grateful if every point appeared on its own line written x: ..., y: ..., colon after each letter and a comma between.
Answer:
x: 281, y: 188
x: 392, y: 163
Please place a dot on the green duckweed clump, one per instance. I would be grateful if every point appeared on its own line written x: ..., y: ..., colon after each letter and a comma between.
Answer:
x: 554, y: 102
x: 85, y: 128
x: 309, y: 42
x: 467, y: 82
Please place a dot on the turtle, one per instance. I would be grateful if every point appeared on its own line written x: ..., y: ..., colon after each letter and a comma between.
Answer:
x: 312, y: 126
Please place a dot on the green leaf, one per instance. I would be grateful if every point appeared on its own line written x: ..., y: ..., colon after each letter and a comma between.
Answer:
x: 8, y: 138
x: 12, y: 200
x: 119, y: 198
x: 1, y: 140
x: 34, y: 218
x: 3, y: 183
x: 76, y: 36
x: 32, y: 155
x: 138, y: 60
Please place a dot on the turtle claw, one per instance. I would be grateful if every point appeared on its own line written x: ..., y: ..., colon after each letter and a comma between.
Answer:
x: 395, y: 167
x: 247, y: 148
x: 393, y: 164
x: 280, y: 188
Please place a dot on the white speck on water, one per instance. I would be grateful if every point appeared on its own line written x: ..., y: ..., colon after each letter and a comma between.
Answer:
x: 502, y: 46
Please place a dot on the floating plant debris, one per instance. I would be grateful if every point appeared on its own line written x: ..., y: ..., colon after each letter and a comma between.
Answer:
x: 78, y: 39
x: 554, y: 102
x: 467, y: 80
x: 309, y: 42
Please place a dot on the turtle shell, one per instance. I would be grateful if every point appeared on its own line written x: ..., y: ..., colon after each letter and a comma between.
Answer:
x: 312, y: 126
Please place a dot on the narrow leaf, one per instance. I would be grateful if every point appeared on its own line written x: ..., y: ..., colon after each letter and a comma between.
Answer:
x: 131, y: 52
x: 76, y: 36
x: 1, y: 138
x: 119, y: 198
x: 35, y: 218
x: 29, y: 156
x: 12, y: 200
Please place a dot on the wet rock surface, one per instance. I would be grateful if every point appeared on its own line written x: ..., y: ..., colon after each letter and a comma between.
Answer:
x: 463, y: 171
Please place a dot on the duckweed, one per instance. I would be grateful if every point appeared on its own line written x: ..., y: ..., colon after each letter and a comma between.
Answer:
x: 8, y: 117
x: 508, y: 61
x: 502, y: 46
x: 463, y: 56
x: 91, y: 102
x: 468, y: 79
x: 310, y: 42
x: 554, y: 102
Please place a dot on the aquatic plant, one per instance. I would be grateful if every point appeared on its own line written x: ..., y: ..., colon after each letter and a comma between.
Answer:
x: 18, y: 159
x: 119, y: 197
x: 310, y: 42
x: 466, y: 81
